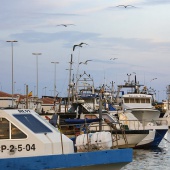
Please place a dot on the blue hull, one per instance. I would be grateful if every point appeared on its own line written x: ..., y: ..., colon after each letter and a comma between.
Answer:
x: 66, y: 161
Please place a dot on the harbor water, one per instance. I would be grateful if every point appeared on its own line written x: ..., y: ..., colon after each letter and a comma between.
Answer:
x: 152, y: 159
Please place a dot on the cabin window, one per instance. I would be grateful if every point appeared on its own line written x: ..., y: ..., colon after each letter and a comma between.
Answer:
x: 131, y: 100
x: 137, y: 100
x: 6, y: 128
x: 32, y: 123
x: 126, y: 100
x: 147, y: 100
x: 143, y: 100
x: 16, y: 133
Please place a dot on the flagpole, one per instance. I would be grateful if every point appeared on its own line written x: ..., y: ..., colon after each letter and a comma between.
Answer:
x: 26, y: 96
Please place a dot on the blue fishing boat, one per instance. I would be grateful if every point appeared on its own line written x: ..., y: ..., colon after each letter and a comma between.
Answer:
x: 28, y: 142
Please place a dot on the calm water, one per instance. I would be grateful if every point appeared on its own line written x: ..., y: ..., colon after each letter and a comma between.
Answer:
x: 157, y: 159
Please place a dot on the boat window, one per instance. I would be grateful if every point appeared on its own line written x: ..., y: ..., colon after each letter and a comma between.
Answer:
x: 5, y: 130
x: 143, y: 100
x: 16, y: 133
x: 126, y: 100
x: 147, y: 100
x: 137, y: 100
x: 32, y: 123
x: 131, y: 100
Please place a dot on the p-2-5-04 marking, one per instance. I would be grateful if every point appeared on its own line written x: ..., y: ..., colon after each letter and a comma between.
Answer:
x: 19, y: 148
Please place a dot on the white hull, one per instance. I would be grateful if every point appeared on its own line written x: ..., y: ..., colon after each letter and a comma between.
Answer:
x: 148, y: 139
x: 132, y: 139
x: 146, y: 114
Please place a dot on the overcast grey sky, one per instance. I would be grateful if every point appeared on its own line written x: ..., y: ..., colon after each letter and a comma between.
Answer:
x: 139, y: 37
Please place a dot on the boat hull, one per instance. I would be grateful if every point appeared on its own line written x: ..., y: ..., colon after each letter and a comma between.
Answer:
x: 115, y: 159
x: 159, y: 135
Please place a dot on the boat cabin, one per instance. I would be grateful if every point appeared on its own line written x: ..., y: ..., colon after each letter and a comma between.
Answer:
x: 25, y: 133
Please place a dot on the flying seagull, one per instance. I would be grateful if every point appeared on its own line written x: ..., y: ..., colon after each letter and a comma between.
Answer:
x: 85, y: 62
x: 65, y: 25
x: 113, y: 58
x: 126, y: 6
x: 79, y: 45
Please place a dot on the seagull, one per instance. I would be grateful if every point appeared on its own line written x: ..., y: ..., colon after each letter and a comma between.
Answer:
x: 85, y: 62
x: 125, y: 6
x: 65, y: 25
x: 113, y: 58
x: 79, y: 45
x: 82, y: 43
x: 76, y: 46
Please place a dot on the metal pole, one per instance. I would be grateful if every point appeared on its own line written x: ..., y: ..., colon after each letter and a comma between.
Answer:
x: 37, y: 72
x: 12, y: 71
x: 26, y: 96
x: 71, y: 62
x: 37, y: 54
x: 54, y: 83
x: 100, y: 113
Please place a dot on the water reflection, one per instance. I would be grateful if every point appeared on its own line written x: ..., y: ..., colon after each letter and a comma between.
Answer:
x: 153, y: 159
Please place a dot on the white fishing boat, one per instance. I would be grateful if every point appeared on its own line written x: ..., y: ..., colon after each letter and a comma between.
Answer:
x: 29, y: 142
x: 122, y: 137
x: 140, y: 105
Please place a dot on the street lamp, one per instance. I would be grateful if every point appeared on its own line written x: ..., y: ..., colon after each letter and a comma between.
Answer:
x: 37, y: 54
x: 12, y: 71
x: 54, y: 81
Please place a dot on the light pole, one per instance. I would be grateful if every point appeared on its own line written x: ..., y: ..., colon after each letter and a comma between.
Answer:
x: 37, y: 54
x: 34, y: 90
x: 14, y: 86
x: 24, y: 88
x: 12, y: 71
x: 54, y: 81
x: 44, y: 91
x: 51, y: 92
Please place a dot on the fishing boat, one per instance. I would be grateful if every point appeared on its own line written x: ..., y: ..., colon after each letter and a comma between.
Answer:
x: 139, y: 103
x: 27, y: 142
x: 90, y: 123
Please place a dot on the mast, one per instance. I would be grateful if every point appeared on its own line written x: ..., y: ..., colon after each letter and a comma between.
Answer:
x: 71, y: 62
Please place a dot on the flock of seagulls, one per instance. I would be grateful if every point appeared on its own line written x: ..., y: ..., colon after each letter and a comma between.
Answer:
x: 82, y: 43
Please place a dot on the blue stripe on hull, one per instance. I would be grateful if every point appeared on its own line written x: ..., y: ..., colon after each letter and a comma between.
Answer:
x: 159, y: 135
x: 63, y: 161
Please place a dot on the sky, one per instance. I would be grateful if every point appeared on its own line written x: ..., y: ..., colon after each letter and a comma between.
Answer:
x: 139, y: 37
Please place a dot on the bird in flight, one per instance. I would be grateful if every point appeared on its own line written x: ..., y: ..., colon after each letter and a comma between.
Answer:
x: 85, y: 62
x: 113, y: 58
x: 126, y: 6
x: 65, y: 25
x: 79, y: 45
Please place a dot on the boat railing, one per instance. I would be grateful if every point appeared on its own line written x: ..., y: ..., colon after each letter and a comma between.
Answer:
x: 74, y: 130
x: 141, y: 124
x: 113, y: 128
